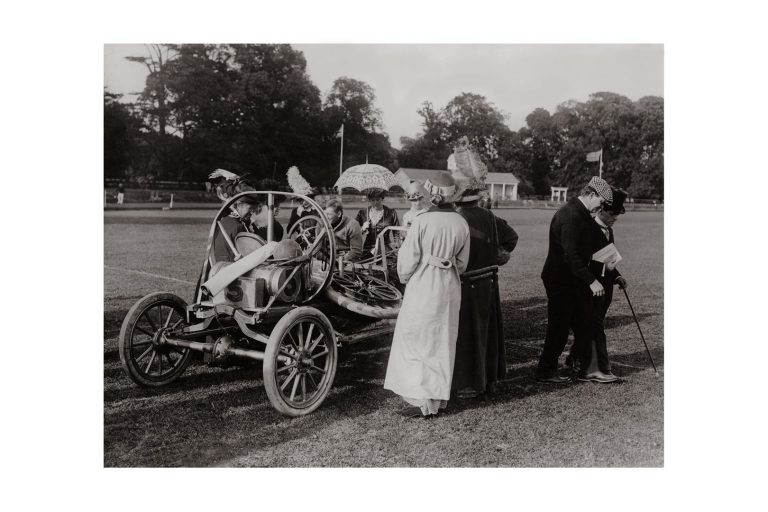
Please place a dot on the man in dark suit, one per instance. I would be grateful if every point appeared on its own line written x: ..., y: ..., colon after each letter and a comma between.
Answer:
x: 569, y: 283
x: 599, y: 369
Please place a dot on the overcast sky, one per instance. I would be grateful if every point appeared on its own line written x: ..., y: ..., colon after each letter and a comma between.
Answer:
x: 516, y: 78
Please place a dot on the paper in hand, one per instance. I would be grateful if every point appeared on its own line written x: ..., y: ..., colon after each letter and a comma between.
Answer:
x: 608, y: 254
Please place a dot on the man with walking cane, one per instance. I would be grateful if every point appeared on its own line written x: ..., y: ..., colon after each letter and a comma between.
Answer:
x: 569, y: 283
x: 599, y: 369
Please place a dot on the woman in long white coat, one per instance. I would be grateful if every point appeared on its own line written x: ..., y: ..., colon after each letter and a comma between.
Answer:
x: 432, y: 257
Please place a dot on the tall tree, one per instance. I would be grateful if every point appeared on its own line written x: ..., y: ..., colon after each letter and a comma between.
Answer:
x: 474, y: 116
x: 352, y: 102
x: 468, y: 115
x: 121, y: 137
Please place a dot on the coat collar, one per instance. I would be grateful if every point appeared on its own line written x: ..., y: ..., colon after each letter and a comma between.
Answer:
x: 576, y: 202
x: 443, y: 208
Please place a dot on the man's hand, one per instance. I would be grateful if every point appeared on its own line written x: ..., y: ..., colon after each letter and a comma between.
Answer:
x: 621, y: 282
x: 597, y: 288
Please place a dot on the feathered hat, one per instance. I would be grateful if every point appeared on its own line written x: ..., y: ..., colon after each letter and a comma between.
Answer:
x: 468, y: 170
x: 298, y: 184
x: 229, y: 184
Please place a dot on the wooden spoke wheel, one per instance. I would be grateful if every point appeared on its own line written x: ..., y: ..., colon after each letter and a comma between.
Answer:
x: 306, y: 232
x: 145, y: 356
x: 300, y: 361
x: 365, y: 288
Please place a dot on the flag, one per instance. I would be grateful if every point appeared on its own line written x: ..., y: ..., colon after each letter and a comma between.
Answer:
x: 340, y: 133
x: 594, y: 156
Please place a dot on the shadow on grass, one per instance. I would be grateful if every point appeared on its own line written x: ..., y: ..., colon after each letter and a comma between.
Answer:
x: 213, y: 415
x: 520, y: 383
x: 526, y: 319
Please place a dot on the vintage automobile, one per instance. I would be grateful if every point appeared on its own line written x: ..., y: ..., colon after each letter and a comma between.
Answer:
x: 289, y: 304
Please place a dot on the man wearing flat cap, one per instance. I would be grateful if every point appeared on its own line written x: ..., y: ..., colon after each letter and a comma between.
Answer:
x: 568, y: 280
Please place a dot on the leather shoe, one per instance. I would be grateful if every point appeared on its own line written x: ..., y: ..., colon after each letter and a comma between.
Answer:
x: 555, y: 379
x: 410, y: 412
x: 602, y: 378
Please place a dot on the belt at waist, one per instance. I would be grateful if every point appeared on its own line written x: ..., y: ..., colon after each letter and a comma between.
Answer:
x: 438, y: 262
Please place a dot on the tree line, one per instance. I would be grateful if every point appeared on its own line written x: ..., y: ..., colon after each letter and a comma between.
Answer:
x: 252, y: 109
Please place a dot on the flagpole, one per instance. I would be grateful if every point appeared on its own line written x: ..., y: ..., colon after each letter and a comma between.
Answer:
x: 600, y: 171
x: 341, y: 154
x: 341, y: 158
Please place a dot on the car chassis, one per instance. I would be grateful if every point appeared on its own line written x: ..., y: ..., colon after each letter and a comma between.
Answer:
x: 292, y: 314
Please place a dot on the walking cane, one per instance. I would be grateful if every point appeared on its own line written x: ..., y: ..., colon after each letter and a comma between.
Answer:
x: 641, y: 331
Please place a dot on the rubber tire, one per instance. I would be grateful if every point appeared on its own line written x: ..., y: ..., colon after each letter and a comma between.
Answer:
x: 361, y: 308
x: 133, y: 372
x: 270, y: 360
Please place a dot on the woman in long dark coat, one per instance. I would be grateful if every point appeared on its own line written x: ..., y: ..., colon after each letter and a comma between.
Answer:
x: 480, y: 355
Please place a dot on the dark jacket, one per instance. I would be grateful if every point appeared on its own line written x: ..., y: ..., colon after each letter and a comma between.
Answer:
x: 480, y: 355
x: 572, y: 241
x: 349, y: 238
x: 232, y: 226
x: 295, y: 217
x: 606, y: 277
x: 507, y: 236
x: 389, y: 218
x: 277, y: 231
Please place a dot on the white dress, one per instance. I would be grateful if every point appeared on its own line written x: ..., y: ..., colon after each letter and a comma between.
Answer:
x: 423, y: 351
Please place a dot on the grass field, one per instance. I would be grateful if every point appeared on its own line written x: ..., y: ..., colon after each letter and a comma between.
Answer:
x: 222, y: 417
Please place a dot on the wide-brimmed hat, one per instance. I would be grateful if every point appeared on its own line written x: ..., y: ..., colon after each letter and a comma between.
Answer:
x: 371, y: 193
x: 415, y: 191
x: 251, y: 199
x: 468, y: 170
x: 602, y: 188
x: 441, y: 187
x: 617, y: 206
x: 468, y: 190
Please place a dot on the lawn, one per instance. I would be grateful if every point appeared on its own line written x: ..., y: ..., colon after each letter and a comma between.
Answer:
x: 222, y: 417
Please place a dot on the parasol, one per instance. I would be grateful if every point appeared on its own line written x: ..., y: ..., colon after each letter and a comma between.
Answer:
x: 367, y: 176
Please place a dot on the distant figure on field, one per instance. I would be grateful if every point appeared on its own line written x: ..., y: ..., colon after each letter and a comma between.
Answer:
x: 120, y: 193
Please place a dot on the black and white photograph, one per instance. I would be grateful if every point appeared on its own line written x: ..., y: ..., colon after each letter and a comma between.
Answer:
x: 374, y: 255
x: 368, y: 256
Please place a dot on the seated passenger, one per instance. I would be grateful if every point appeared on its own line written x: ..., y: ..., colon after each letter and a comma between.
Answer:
x: 259, y: 223
x: 237, y: 222
x: 349, y: 237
